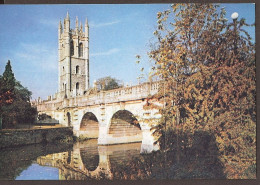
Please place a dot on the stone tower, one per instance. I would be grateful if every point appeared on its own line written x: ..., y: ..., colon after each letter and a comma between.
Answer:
x: 73, y: 58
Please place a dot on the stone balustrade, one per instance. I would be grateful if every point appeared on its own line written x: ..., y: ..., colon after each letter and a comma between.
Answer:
x: 103, y: 97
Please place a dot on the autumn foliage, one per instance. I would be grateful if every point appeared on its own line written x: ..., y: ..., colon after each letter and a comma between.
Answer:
x: 208, y: 68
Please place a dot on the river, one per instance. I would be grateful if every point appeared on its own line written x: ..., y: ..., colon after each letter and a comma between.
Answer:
x: 87, y: 160
x: 80, y: 161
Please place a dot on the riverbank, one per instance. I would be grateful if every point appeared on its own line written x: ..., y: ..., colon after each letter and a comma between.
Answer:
x: 19, y: 137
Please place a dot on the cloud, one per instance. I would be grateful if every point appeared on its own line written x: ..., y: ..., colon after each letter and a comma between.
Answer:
x: 49, y: 22
x: 36, y: 48
x: 38, y: 55
x: 36, y: 66
x: 109, y: 52
x: 55, y: 23
x: 98, y: 25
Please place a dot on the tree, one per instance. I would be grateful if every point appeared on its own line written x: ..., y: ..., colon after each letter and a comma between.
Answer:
x: 15, y: 100
x: 208, y: 68
x: 8, y: 78
x: 175, y: 55
x: 6, y: 88
x: 108, y: 83
x: 7, y: 83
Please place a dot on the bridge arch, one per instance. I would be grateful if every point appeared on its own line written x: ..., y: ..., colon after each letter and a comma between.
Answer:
x: 124, y: 125
x: 89, y: 126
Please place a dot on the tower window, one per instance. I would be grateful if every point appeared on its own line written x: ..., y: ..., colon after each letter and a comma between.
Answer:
x: 77, y: 69
x: 71, y: 48
x: 80, y: 50
x: 77, y: 88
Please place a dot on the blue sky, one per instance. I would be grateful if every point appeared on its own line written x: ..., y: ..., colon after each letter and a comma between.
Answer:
x: 29, y: 38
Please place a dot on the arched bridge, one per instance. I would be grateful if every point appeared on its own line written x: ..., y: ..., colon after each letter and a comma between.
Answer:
x: 114, y: 116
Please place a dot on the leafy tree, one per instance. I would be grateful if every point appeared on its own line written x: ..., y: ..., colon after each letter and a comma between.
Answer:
x: 208, y: 68
x: 8, y: 78
x: 7, y: 83
x: 6, y: 88
x: 15, y: 104
x: 108, y: 83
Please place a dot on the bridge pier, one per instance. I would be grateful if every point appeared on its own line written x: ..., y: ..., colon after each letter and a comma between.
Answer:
x: 148, y: 142
x: 147, y: 139
x: 102, y: 139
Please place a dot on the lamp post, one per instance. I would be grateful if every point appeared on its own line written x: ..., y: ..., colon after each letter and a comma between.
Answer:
x: 234, y: 16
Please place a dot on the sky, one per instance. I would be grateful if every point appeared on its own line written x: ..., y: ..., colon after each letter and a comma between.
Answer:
x: 117, y: 33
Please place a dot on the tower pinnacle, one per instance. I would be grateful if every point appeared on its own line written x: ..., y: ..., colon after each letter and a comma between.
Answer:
x: 60, y: 28
x: 77, y: 25
x: 86, y: 28
x: 68, y: 17
x: 86, y: 23
x: 81, y: 27
x: 77, y: 22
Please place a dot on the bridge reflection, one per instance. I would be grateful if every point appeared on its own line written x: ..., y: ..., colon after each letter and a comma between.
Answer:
x: 88, y: 160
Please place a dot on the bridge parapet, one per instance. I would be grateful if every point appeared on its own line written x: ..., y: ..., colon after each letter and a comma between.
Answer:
x: 103, y: 97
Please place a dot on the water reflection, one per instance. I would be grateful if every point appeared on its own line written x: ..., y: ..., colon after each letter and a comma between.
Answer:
x: 37, y: 172
x: 184, y: 158
x: 89, y: 155
x: 15, y: 160
x: 90, y: 161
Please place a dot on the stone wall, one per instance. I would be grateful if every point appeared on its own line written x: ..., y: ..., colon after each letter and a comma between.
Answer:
x: 9, y: 138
